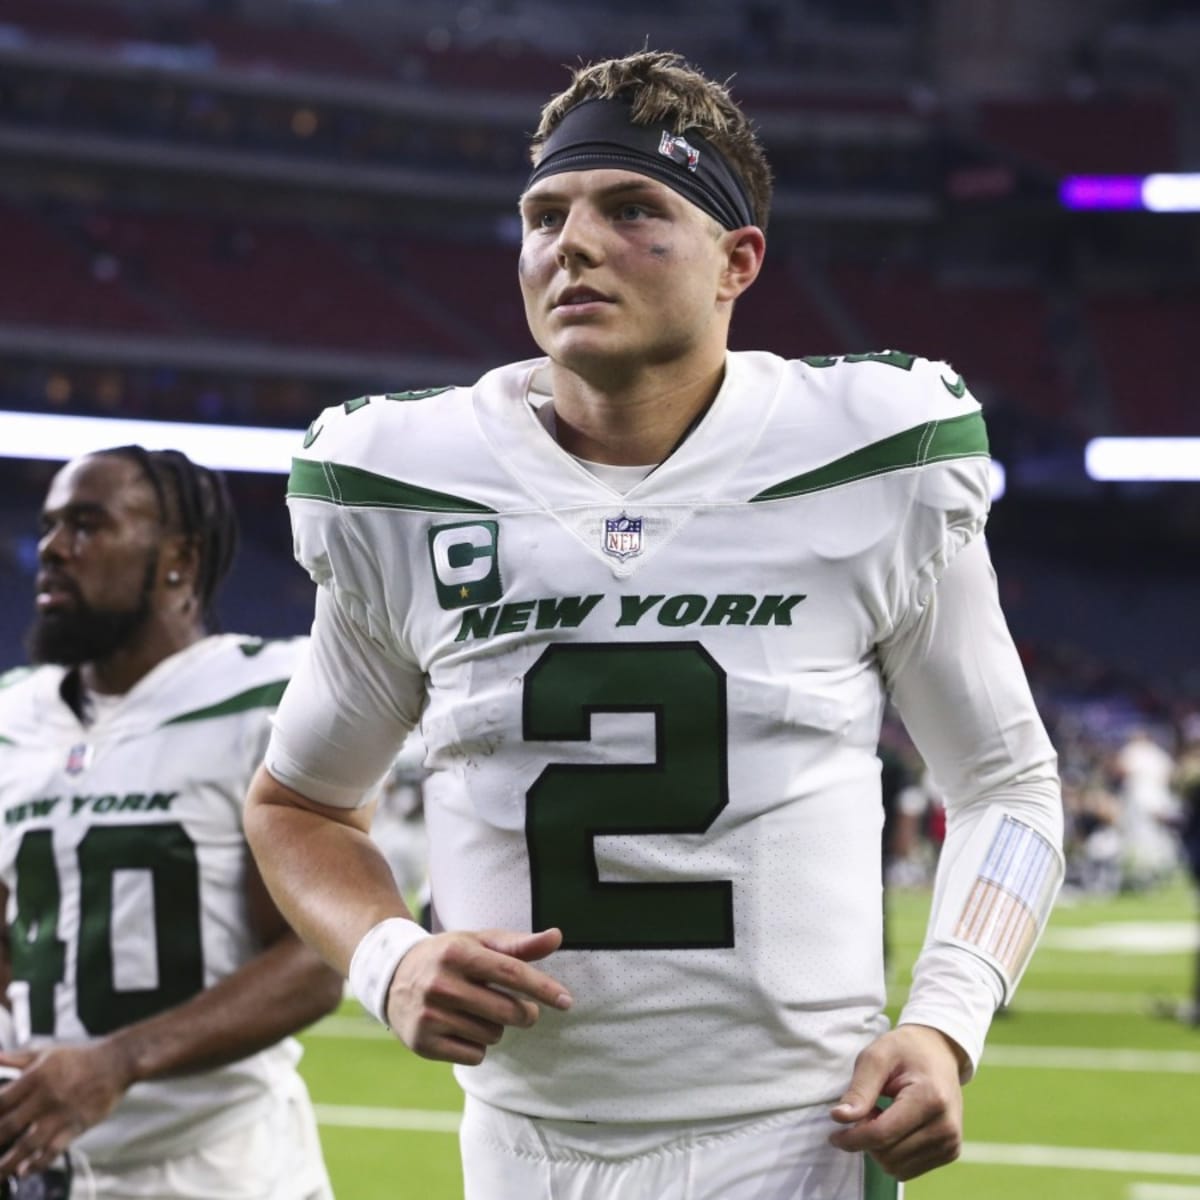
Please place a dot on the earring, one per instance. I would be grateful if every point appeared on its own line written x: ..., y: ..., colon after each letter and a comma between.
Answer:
x: 172, y: 576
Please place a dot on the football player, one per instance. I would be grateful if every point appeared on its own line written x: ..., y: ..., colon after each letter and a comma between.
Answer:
x: 152, y: 983
x: 645, y: 599
x: 1186, y: 781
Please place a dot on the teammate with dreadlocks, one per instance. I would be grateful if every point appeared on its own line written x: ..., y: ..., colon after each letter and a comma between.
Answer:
x: 151, y: 982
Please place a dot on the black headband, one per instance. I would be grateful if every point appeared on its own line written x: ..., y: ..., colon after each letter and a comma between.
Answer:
x: 600, y: 133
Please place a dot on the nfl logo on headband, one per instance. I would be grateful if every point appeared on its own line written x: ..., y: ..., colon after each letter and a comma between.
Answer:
x: 600, y: 133
x: 679, y: 151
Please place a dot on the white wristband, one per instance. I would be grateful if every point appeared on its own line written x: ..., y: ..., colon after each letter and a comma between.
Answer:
x: 376, y: 958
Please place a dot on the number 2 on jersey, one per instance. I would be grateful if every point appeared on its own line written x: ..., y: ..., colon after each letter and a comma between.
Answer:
x: 682, y: 791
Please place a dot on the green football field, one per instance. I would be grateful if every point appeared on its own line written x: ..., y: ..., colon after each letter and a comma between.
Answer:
x: 1084, y: 1092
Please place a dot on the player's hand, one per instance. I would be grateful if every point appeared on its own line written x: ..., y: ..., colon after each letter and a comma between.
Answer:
x: 60, y: 1092
x: 918, y: 1068
x: 454, y: 993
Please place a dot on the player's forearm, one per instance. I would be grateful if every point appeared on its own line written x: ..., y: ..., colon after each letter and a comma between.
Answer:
x: 324, y: 873
x: 280, y: 991
x: 958, y: 682
x: 998, y: 873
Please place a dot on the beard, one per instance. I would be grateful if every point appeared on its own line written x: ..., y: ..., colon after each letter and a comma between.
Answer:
x: 86, y: 634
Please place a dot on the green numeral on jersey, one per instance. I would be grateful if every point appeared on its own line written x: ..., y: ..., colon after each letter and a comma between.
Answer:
x: 352, y: 406
x: 889, y: 358
x: 681, y: 792
x: 418, y: 394
x: 168, y: 856
x: 38, y: 956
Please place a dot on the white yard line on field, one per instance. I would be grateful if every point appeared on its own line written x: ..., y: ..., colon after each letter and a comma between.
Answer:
x: 347, y: 1027
x: 1163, y: 1191
x: 1085, y: 1058
x: 1081, y: 1158
x: 418, y: 1120
x: 1105, y: 1003
x: 1064, y: 962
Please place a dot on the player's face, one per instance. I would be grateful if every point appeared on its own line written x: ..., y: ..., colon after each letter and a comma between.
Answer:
x: 619, y: 270
x: 97, y: 561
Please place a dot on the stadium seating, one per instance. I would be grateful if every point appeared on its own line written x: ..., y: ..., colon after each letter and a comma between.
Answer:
x: 1113, y: 136
x: 73, y: 19
x: 276, y: 280
x: 62, y: 283
x: 1148, y: 352
x: 474, y: 283
x: 996, y: 335
x: 780, y: 314
x: 284, y: 47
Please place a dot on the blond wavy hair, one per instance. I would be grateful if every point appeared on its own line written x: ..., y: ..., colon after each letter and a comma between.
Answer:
x: 663, y: 86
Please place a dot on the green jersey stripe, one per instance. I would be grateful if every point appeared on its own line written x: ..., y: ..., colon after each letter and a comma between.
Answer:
x: 877, y: 1183
x: 336, y: 483
x: 934, y: 441
x: 266, y: 695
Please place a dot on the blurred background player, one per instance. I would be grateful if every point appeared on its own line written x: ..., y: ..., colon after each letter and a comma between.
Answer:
x: 152, y: 983
x: 1187, y: 783
x: 1148, y: 810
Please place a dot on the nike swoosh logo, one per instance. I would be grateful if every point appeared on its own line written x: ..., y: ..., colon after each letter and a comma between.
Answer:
x: 958, y: 389
x: 315, y: 431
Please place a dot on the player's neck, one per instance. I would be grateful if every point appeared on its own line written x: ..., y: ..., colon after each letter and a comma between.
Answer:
x: 635, y: 421
x: 119, y: 671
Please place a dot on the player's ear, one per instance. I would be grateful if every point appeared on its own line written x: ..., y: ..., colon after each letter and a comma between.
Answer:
x: 179, y: 564
x: 744, y: 250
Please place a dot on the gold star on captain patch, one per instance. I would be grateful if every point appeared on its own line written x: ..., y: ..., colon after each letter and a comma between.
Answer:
x: 464, y: 592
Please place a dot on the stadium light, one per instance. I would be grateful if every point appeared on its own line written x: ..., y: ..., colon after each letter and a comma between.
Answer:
x: 1101, y: 191
x: 56, y: 438
x: 52, y: 437
x: 1143, y: 460
x: 1164, y: 192
x: 1171, y: 193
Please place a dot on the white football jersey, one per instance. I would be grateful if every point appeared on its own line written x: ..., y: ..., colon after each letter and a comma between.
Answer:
x: 652, y: 717
x: 124, y: 859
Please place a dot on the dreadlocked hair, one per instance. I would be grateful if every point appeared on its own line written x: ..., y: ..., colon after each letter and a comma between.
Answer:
x: 194, y: 501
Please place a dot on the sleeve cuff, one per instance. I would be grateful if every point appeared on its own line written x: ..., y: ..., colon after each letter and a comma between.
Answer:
x: 284, y: 768
x: 956, y: 993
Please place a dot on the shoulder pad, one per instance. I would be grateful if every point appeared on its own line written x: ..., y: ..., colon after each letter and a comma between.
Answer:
x: 893, y: 387
x: 345, y: 432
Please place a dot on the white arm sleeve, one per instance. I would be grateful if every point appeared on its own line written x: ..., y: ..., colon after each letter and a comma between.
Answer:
x: 958, y: 683
x: 345, y: 713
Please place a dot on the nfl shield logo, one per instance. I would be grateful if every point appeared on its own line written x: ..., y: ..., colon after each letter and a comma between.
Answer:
x: 679, y: 150
x: 77, y: 758
x: 622, y: 536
